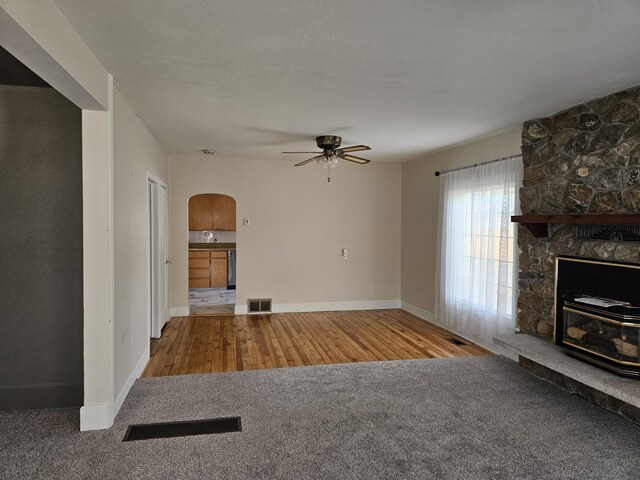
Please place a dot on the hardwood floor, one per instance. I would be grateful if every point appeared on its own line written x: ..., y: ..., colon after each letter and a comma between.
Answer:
x: 251, y: 342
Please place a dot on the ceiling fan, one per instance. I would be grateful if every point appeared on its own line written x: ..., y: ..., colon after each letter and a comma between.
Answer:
x: 331, y: 153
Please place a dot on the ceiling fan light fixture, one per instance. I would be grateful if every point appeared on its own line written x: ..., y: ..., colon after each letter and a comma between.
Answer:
x: 328, y: 160
x: 331, y: 153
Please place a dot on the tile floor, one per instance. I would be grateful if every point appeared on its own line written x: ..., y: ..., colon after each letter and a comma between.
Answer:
x: 202, y: 297
x: 209, y: 301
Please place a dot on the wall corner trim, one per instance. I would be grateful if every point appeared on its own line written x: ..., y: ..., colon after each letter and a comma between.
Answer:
x: 135, y: 374
x: 95, y: 417
x: 419, y: 312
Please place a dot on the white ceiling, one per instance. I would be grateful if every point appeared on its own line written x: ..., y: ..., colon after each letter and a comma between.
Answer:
x: 251, y: 78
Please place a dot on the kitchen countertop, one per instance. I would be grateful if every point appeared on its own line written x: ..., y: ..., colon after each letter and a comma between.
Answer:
x: 212, y: 246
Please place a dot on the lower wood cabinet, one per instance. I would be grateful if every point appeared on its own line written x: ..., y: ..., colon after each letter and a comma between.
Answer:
x: 218, y: 270
x: 207, y: 269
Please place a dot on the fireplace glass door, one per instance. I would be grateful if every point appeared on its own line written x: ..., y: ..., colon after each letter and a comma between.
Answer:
x: 598, y: 312
x: 615, y: 339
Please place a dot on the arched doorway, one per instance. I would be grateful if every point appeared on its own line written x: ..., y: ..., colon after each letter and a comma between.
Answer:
x: 212, y: 254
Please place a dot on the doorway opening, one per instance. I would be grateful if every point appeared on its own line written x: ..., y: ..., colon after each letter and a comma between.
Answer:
x: 212, y: 254
x: 158, y: 255
x: 42, y: 241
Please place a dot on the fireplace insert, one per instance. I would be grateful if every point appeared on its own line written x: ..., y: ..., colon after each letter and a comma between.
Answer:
x: 598, y: 312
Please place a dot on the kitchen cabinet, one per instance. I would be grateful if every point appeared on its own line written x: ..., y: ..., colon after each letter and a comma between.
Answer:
x: 212, y: 212
x: 223, y: 210
x: 218, y: 270
x: 200, y: 213
x: 207, y: 269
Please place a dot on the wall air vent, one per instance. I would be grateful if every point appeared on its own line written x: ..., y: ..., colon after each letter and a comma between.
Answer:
x: 259, y: 305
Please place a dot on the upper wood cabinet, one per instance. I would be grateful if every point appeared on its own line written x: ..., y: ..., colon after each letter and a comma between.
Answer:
x: 212, y: 211
x: 223, y: 210
x: 200, y: 216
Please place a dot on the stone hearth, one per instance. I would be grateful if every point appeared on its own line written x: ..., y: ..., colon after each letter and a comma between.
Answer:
x: 582, y: 160
x: 548, y: 361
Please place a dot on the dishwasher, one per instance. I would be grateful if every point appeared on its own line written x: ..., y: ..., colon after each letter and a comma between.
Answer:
x: 231, y: 269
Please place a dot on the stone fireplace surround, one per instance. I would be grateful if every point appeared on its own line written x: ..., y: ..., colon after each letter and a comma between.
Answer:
x: 584, y: 160
x: 581, y: 161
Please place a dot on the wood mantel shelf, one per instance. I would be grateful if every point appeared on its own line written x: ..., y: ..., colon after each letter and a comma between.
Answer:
x: 538, y: 225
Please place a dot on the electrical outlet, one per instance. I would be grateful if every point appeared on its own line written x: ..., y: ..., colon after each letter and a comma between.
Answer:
x: 134, y: 342
x: 345, y: 253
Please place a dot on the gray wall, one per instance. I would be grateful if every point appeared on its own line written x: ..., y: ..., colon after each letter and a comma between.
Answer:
x: 41, y: 310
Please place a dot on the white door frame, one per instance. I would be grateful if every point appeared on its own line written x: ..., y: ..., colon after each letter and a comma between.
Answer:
x: 156, y: 322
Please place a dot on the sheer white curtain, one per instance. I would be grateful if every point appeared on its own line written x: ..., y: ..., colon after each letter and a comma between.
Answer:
x: 478, y: 250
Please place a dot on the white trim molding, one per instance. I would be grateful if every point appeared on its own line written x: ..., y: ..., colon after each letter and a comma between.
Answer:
x: 326, y: 306
x: 142, y: 363
x: 335, y: 306
x: 95, y: 417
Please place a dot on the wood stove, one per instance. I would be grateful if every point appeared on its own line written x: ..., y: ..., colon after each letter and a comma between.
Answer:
x: 598, y: 312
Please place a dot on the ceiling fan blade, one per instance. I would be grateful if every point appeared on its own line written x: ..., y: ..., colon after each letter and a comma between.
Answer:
x: 307, y: 161
x: 353, y: 158
x: 355, y: 148
x: 303, y: 152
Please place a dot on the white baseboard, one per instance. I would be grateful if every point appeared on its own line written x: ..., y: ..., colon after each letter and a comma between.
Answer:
x: 179, y: 311
x: 95, y: 417
x: 335, y: 306
x: 431, y: 317
x: 326, y: 306
x: 142, y: 363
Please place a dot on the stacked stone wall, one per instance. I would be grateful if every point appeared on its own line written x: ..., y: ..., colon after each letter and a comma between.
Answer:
x: 585, y: 160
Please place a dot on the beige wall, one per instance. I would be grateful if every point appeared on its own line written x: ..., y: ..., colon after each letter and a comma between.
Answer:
x: 135, y: 152
x: 298, y: 225
x: 420, y: 208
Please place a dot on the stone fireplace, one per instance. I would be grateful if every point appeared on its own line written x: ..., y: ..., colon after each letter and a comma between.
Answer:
x: 585, y: 160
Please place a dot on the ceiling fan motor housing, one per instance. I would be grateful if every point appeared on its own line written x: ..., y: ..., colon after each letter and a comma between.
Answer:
x: 328, y: 142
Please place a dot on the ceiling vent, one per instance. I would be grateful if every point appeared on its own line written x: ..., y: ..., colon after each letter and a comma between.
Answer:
x: 259, y: 305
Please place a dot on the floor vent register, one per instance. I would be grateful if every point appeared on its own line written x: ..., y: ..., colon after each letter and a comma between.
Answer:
x: 259, y: 305
x: 148, y: 431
